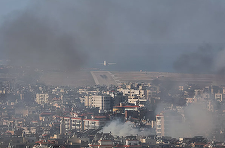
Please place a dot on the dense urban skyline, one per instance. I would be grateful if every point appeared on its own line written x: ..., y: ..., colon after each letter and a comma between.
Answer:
x: 112, y: 73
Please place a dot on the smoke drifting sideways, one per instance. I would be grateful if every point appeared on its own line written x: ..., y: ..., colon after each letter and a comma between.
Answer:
x: 53, y: 35
x: 194, y: 119
x: 31, y: 40
x: 118, y: 128
x: 63, y: 33
x: 207, y: 59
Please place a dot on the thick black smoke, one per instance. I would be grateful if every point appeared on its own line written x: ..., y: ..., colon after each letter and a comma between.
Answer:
x: 31, y: 40
x: 207, y: 59
x: 200, y: 61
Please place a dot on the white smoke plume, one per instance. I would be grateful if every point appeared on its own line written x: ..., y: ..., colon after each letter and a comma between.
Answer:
x: 118, y: 128
x: 194, y: 120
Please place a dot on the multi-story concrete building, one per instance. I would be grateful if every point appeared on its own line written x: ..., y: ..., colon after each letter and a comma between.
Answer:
x: 135, y: 96
x: 219, y: 97
x: 160, y: 131
x: 103, y: 102
x: 117, y: 97
x: 42, y: 98
x: 81, y: 124
x: 122, y: 108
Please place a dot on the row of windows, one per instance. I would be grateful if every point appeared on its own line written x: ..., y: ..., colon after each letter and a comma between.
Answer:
x: 78, y: 121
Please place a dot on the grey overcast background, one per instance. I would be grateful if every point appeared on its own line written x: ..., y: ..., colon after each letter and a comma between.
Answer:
x: 152, y: 35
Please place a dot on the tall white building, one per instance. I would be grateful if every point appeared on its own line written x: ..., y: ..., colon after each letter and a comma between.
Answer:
x: 160, y: 125
x: 103, y: 102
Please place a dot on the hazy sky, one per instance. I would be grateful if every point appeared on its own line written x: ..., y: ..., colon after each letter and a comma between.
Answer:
x: 9, y: 6
x: 144, y: 34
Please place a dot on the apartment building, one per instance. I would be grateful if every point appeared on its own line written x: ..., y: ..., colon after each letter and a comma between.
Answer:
x: 42, y: 98
x: 103, y: 102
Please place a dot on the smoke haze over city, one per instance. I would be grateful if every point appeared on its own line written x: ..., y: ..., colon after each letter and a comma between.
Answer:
x: 74, y: 34
x: 115, y: 73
